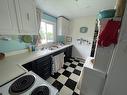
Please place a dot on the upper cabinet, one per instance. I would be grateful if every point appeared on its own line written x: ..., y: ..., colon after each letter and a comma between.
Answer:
x: 26, y: 14
x: 62, y: 26
x: 8, y: 21
x: 18, y: 17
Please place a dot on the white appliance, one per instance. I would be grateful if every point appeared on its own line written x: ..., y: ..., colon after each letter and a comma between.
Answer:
x: 91, y: 80
x: 36, y: 86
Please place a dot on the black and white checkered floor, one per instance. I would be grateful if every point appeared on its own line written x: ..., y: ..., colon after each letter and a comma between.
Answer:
x: 65, y: 80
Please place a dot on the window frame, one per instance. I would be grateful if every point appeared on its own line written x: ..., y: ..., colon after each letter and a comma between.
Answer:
x: 54, y: 30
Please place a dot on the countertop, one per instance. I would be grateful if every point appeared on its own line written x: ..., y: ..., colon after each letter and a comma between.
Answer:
x: 13, y: 64
x: 27, y: 57
x: 9, y: 72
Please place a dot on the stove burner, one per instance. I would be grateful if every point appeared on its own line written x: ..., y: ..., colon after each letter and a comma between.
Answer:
x: 41, y: 90
x: 22, y: 84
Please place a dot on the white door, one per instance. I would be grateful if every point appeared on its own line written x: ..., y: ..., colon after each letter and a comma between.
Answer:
x: 8, y: 22
x: 26, y: 11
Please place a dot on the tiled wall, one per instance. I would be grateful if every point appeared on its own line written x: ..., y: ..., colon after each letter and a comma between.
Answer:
x: 60, y: 39
x: 15, y: 43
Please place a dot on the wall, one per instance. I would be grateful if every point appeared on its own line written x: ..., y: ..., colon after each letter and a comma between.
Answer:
x: 82, y: 51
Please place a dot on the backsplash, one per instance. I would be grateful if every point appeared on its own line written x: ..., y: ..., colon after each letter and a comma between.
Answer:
x: 60, y: 39
x: 12, y: 43
x: 15, y: 43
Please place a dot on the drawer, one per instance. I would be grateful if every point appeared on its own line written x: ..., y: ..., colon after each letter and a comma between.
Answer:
x: 44, y: 75
x: 44, y: 69
x: 28, y: 66
x: 58, y: 52
x: 43, y: 59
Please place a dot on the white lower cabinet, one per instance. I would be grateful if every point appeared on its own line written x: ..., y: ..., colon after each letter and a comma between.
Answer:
x: 18, y: 17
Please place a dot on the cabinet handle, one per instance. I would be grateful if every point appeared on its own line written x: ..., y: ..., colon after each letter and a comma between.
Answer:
x: 28, y: 17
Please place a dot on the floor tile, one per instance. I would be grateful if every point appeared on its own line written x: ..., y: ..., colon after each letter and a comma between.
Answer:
x: 76, y: 60
x: 70, y: 84
x: 72, y: 58
x: 79, y: 64
x: 76, y: 63
x: 57, y: 85
x: 77, y: 90
x: 64, y: 66
x: 56, y: 75
x: 74, y: 77
x: 72, y: 65
x: 50, y: 80
x: 65, y: 91
x: 67, y: 63
x: 78, y: 68
x: 62, y: 79
x: 66, y: 73
x: 61, y: 70
x: 70, y: 69
x: 77, y: 72
x: 75, y: 93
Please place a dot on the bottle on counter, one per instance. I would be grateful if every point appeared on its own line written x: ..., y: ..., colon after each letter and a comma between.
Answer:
x: 30, y: 48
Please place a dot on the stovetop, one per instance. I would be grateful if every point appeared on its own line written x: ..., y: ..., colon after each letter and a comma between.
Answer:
x: 41, y: 90
x: 22, y: 84
x: 28, y: 84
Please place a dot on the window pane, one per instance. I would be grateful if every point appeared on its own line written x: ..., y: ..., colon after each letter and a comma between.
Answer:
x: 46, y: 32
x: 50, y: 35
x: 43, y: 32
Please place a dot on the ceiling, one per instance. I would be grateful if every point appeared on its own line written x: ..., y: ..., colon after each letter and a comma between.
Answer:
x: 74, y: 8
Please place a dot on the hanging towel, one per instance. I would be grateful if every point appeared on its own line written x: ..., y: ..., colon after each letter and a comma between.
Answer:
x: 55, y: 65
x: 61, y: 59
x: 109, y: 35
x: 57, y: 62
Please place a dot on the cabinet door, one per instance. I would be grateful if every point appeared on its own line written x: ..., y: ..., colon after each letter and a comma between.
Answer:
x: 26, y: 11
x: 42, y: 66
x: 62, y: 26
x: 68, y: 54
x: 65, y: 27
x: 8, y: 22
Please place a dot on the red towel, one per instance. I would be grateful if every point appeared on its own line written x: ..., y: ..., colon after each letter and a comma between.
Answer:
x: 109, y: 35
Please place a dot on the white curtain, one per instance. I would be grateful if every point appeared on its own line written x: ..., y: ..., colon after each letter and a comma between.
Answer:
x: 39, y: 17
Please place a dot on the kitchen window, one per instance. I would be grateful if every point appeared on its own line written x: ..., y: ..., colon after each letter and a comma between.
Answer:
x: 47, y: 31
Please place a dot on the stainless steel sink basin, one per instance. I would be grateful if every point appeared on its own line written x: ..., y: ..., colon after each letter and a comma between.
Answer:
x: 53, y: 48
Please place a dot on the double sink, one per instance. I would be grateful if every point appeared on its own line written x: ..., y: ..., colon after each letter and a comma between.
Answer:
x: 53, y: 47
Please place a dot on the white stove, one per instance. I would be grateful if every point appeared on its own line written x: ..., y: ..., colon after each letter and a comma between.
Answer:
x: 34, y: 86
